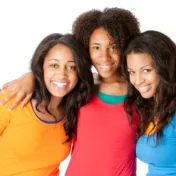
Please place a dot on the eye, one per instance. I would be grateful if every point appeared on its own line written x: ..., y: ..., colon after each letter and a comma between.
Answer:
x: 113, y: 47
x: 147, y: 70
x: 95, y: 47
x: 130, y: 72
x: 54, y: 65
x: 71, y: 67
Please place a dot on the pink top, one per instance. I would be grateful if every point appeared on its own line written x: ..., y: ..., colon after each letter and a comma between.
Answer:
x: 105, y: 144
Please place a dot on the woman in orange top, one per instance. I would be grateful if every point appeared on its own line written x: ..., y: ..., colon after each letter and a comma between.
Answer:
x: 36, y: 144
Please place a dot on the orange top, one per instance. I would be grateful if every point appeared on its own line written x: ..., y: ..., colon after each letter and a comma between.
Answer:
x: 151, y: 129
x: 28, y: 146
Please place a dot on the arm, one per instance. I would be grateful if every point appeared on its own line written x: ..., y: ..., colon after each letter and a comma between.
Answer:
x: 21, y: 87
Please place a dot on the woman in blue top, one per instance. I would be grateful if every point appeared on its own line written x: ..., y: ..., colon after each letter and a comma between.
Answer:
x: 150, y: 68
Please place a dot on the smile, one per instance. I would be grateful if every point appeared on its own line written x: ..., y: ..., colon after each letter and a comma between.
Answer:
x: 60, y: 84
x: 106, y: 67
x: 144, y: 88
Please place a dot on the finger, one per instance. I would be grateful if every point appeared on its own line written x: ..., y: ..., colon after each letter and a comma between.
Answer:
x: 17, y: 101
x: 2, y: 91
x: 9, y: 88
x: 7, y: 84
x: 26, y: 100
x: 5, y: 91
x: 7, y: 98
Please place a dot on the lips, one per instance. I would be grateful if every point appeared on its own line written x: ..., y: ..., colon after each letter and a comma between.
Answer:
x: 144, y: 89
x: 60, y: 84
x: 106, y: 67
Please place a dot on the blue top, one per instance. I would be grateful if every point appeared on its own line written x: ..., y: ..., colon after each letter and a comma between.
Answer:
x: 161, y: 158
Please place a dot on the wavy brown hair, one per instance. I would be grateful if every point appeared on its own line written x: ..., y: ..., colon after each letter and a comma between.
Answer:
x: 163, y: 52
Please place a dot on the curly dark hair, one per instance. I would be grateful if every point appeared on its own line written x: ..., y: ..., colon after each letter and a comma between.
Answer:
x: 121, y: 24
x: 82, y: 92
x: 163, y: 52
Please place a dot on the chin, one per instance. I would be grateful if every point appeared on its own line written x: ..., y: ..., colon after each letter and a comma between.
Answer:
x: 147, y: 95
x: 105, y: 75
x: 59, y: 95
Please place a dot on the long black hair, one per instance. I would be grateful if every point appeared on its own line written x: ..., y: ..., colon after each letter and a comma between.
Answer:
x: 163, y: 52
x: 81, y: 93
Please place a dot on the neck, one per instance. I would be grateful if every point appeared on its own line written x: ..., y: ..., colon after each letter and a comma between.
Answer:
x: 114, y: 86
x: 55, y: 108
x: 113, y: 79
x: 55, y: 103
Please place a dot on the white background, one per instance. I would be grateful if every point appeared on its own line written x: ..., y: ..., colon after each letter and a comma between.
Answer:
x: 23, y: 24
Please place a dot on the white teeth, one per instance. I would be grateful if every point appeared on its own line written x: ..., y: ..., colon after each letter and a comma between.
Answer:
x: 105, y: 67
x: 142, y: 88
x: 60, y: 84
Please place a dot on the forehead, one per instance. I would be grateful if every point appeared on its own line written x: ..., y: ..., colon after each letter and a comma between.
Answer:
x: 100, y: 35
x: 139, y: 60
x: 60, y: 51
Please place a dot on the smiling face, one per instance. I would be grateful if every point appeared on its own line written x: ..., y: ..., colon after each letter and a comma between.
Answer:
x: 60, y: 73
x: 104, y: 54
x: 142, y: 74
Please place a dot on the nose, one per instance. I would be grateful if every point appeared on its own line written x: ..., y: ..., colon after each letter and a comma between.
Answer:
x: 138, y: 79
x: 105, y: 56
x: 61, y: 72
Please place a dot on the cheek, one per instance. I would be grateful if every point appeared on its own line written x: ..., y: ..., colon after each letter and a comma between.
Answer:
x: 115, y: 55
x: 117, y: 59
x: 156, y: 81
x: 131, y: 79
x: 47, y: 75
x: 74, y: 78
x: 92, y: 58
x: 94, y: 55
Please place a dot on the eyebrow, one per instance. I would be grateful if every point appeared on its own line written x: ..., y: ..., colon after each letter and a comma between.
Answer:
x: 94, y: 43
x: 144, y: 66
x: 59, y: 60
x: 140, y: 67
x: 110, y: 43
